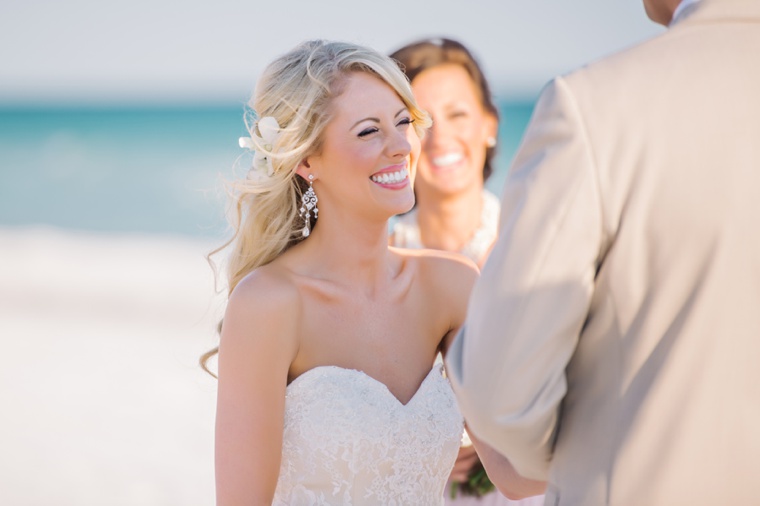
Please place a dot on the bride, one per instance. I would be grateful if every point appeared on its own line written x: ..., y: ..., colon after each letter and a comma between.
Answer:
x: 328, y: 392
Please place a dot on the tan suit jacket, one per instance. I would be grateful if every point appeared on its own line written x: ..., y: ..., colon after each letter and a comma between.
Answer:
x: 613, y: 340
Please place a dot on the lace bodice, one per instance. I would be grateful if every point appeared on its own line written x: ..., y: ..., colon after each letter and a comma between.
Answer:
x: 348, y: 440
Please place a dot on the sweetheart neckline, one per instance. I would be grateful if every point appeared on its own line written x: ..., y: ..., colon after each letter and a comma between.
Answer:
x: 372, y: 379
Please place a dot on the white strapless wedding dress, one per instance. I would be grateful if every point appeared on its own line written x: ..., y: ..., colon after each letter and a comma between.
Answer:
x: 349, y: 441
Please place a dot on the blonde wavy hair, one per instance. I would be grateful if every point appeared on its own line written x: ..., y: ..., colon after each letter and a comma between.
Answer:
x: 297, y: 90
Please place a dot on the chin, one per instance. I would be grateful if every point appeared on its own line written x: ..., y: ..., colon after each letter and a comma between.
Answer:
x: 404, y: 205
x: 407, y: 207
x: 450, y: 185
x: 452, y: 188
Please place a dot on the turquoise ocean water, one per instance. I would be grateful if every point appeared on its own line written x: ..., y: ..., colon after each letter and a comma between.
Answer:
x: 149, y: 169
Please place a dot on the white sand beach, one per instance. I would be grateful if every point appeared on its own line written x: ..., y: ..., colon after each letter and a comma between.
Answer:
x: 102, y: 399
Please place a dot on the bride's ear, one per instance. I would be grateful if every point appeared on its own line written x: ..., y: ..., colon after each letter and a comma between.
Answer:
x: 304, y: 169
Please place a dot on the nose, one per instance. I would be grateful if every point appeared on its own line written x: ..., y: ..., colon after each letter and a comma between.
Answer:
x: 437, y: 133
x: 398, y: 145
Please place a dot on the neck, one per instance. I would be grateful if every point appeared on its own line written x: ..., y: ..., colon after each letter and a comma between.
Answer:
x: 661, y: 11
x: 350, y: 249
x: 449, y: 223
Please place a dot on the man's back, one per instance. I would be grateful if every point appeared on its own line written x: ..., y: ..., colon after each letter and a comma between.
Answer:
x: 663, y: 400
x: 612, y: 340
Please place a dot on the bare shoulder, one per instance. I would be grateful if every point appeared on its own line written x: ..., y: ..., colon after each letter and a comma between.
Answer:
x: 442, y: 269
x: 443, y: 284
x: 264, y: 306
x: 268, y: 288
x: 447, y: 278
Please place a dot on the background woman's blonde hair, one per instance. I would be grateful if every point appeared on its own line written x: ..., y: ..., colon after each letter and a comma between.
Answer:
x: 296, y: 89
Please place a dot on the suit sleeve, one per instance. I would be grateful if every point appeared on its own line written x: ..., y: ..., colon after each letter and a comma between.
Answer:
x: 527, y: 309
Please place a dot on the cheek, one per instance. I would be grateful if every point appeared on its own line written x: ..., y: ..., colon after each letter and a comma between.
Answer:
x: 426, y: 147
x: 416, y: 155
x: 351, y: 156
x: 415, y: 143
x: 473, y: 131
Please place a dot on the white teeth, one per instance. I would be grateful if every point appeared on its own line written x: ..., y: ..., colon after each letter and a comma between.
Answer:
x: 448, y: 159
x: 390, y: 177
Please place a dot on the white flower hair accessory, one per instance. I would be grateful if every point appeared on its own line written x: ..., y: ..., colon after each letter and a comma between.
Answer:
x: 262, y: 146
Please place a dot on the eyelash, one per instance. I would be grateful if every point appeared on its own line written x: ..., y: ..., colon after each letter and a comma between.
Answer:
x: 368, y: 131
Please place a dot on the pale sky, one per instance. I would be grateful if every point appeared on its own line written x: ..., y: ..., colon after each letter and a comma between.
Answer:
x: 102, y: 51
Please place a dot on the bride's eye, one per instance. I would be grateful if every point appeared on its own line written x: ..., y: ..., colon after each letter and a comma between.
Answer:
x: 406, y: 121
x: 367, y: 131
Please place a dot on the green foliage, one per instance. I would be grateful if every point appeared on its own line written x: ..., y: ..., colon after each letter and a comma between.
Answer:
x: 478, y: 483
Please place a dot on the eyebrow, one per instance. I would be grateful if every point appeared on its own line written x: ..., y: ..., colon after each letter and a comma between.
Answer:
x: 377, y: 120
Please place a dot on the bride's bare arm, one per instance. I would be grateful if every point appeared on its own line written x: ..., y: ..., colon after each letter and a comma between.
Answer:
x: 503, y: 475
x: 256, y: 348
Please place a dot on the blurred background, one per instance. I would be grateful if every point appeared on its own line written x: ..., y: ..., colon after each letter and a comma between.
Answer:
x: 118, y: 123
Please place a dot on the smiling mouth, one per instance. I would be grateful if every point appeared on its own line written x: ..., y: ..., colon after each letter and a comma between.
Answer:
x: 390, y: 177
x: 449, y: 159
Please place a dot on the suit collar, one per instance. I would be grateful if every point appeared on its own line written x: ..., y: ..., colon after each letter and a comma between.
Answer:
x: 720, y: 10
x: 684, y: 9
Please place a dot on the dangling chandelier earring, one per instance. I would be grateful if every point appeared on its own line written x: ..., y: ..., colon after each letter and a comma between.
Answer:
x: 308, y: 202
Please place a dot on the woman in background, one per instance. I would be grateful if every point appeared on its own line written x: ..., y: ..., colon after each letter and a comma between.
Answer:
x: 453, y: 211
